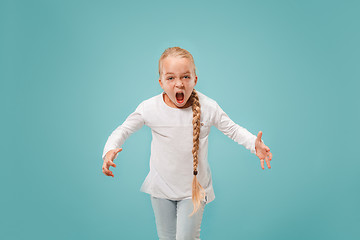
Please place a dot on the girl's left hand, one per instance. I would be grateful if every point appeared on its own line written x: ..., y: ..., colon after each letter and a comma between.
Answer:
x: 262, y: 151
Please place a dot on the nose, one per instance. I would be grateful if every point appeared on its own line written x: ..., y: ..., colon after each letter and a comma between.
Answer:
x: 179, y: 83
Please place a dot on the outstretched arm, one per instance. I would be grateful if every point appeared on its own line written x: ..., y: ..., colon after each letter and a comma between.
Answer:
x: 237, y: 133
x: 114, y: 142
x: 242, y: 136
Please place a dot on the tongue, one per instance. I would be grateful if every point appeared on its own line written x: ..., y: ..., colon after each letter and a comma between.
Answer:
x: 179, y: 97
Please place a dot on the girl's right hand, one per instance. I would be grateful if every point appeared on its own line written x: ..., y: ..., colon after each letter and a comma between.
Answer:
x: 109, y: 161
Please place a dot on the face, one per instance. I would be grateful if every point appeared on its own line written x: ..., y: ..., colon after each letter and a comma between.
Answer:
x: 177, y: 79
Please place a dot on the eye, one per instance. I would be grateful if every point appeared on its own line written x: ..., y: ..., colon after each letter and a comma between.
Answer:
x: 186, y: 76
x: 170, y: 78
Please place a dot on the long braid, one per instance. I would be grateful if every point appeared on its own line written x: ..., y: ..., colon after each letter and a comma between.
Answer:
x: 197, y: 190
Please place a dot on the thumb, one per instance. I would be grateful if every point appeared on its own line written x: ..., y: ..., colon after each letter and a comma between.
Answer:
x: 259, y: 136
x: 116, y: 152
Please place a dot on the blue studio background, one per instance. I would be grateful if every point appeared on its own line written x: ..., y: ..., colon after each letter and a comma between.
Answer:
x: 72, y: 71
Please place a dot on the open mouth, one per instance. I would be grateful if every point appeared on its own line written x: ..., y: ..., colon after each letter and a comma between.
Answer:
x: 180, y: 97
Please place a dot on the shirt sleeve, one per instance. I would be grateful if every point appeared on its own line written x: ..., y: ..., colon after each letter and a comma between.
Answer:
x: 133, y: 123
x: 233, y: 130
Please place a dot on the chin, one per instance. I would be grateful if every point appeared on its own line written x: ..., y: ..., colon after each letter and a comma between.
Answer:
x: 179, y: 104
x: 183, y: 104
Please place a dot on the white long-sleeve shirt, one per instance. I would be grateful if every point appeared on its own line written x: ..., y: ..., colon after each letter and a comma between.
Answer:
x: 171, y: 160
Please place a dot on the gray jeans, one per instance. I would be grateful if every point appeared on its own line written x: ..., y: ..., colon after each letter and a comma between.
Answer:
x: 173, y: 221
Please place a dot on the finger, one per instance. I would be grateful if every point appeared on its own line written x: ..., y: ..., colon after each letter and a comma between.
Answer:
x: 259, y: 136
x: 262, y: 163
x: 270, y: 155
x: 267, y: 148
x: 112, y: 164
x: 108, y: 172
x: 105, y: 170
x: 267, y: 162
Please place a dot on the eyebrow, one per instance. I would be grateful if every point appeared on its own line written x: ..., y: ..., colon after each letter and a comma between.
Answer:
x: 173, y: 73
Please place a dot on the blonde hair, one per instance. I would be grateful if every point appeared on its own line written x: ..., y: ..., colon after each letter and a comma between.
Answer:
x: 176, y: 52
x: 198, y: 191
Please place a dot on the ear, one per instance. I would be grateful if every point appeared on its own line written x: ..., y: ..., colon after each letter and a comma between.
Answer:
x: 161, y: 84
x: 195, y: 80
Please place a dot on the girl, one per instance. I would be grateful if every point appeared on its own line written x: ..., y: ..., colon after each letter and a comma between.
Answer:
x: 179, y: 181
